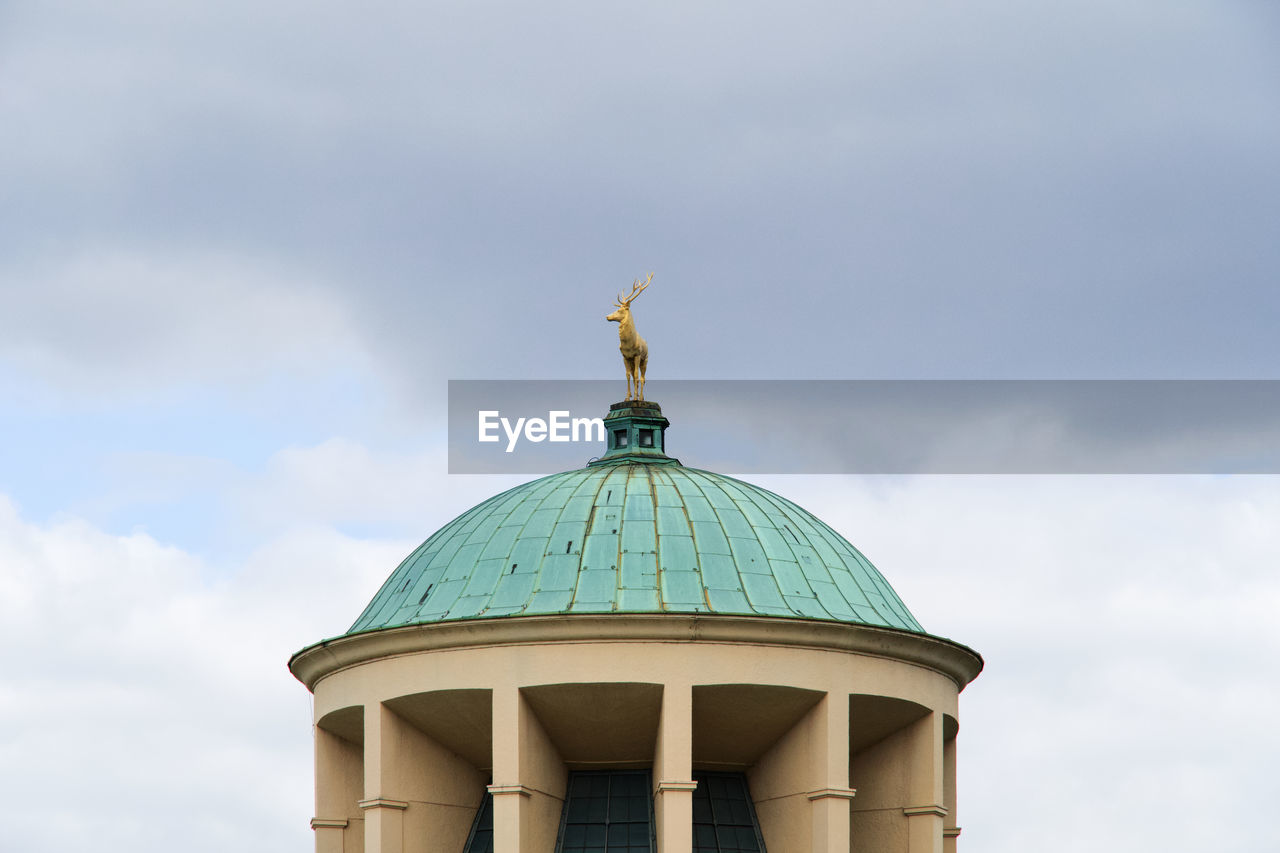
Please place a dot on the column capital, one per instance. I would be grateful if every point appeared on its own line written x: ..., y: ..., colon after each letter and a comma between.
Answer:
x: 832, y: 793
x: 383, y: 803
x: 668, y: 785
x: 950, y: 831
x: 500, y: 790
x: 328, y: 823
x: 932, y: 809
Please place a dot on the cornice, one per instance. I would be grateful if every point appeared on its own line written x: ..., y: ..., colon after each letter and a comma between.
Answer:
x: 958, y: 662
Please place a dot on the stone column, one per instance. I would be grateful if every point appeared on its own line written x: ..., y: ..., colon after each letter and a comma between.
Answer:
x: 329, y: 834
x: 949, y: 831
x: 384, y: 825
x: 508, y: 794
x: 529, y: 778
x: 673, y: 771
x: 383, y: 814
x: 339, y: 788
x: 926, y: 814
x: 830, y: 795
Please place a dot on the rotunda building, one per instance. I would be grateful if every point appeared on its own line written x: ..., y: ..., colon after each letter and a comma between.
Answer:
x: 636, y: 656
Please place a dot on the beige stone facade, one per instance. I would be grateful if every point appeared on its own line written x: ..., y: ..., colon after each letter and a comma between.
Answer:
x: 846, y: 733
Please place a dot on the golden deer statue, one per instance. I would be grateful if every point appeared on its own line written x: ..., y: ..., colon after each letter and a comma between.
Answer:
x: 635, y: 352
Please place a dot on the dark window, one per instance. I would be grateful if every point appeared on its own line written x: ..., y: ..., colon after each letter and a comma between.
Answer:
x: 619, y: 438
x: 724, y: 821
x: 481, y: 839
x: 607, y: 812
x: 646, y: 438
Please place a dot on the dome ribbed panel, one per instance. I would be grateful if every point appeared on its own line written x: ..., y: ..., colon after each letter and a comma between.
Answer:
x: 635, y: 538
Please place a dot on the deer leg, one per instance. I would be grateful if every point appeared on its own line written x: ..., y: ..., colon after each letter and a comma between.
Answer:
x: 642, y: 363
x: 630, y: 373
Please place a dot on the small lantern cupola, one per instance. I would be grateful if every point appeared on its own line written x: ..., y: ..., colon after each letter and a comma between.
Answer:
x: 636, y: 432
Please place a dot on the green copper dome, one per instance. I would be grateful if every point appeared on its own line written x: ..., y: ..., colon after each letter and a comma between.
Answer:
x: 627, y: 536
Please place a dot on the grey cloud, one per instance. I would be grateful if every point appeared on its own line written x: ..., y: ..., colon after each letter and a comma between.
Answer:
x: 124, y: 318
x: 1083, y: 192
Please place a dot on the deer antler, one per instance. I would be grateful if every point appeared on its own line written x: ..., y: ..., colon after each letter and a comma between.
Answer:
x: 637, y: 287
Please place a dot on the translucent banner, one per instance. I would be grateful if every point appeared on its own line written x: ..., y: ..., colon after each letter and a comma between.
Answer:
x: 883, y: 427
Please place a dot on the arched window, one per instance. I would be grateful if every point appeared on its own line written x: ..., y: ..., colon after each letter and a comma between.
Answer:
x: 481, y: 838
x: 607, y: 812
x: 611, y: 812
x: 724, y: 820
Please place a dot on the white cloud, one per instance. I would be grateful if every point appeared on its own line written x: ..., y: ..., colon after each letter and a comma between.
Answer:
x: 1129, y: 630
x: 145, y: 704
x: 1126, y: 623
x: 341, y: 481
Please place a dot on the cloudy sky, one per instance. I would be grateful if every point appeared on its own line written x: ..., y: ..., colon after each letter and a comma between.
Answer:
x: 243, y: 246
